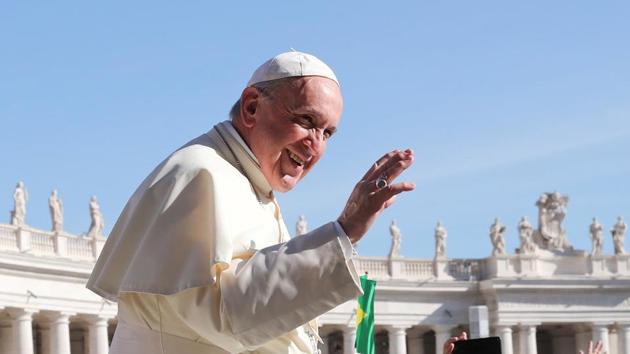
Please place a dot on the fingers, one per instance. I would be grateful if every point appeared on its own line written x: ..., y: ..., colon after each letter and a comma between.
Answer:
x: 396, y: 168
x: 448, y: 348
x: 384, y: 195
x: 449, y: 345
x: 383, y: 164
x: 599, y: 348
x: 378, y: 164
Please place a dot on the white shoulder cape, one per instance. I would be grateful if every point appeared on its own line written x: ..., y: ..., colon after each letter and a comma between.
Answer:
x: 199, y: 209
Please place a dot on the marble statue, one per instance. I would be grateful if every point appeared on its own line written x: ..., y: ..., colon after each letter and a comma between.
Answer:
x: 496, y: 237
x: 596, y: 230
x: 20, y: 197
x: 525, y: 232
x: 618, y: 234
x: 551, y: 213
x: 440, y: 240
x: 56, y: 211
x: 98, y: 223
x: 301, y: 227
x: 394, y: 231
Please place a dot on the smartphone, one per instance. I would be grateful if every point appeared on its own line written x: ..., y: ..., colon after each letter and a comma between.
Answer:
x: 490, y: 345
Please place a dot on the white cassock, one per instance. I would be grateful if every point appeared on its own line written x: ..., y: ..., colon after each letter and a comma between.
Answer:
x: 200, y: 260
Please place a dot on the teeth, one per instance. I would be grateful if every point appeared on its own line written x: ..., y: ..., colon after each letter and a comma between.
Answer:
x: 296, y: 158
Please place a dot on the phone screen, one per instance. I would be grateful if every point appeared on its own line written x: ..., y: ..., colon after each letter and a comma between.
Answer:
x: 490, y: 345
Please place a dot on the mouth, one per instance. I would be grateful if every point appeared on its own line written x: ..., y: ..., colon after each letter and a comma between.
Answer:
x: 296, y: 159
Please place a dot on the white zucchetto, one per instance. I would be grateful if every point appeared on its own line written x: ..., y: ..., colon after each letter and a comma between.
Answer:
x: 291, y: 64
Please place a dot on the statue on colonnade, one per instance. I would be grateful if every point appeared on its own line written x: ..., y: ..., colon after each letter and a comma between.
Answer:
x: 496, y: 237
x: 20, y: 197
x: 525, y: 235
x: 618, y: 234
x: 440, y: 240
x: 98, y: 223
x: 596, y: 230
x: 56, y: 211
x: 551, y: 213
x: 394, y: 231
x: 301, y: 227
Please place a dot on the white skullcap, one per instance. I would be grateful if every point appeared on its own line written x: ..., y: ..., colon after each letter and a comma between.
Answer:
x: 291, y: 64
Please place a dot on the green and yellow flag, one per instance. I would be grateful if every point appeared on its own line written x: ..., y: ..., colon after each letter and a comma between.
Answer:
x: 364, y: 342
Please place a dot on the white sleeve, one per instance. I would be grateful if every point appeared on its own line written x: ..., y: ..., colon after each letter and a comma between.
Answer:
x: 284, y: 286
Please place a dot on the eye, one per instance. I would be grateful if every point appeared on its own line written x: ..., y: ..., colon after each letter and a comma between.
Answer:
x: 304, y: 121
x: 327, y: 134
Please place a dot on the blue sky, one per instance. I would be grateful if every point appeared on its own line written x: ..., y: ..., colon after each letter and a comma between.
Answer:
x: 500, y: 100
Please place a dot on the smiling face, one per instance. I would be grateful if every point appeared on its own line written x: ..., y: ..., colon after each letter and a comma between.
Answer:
x: 288, y: 127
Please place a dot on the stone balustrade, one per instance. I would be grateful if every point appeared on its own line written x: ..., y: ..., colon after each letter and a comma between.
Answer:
x: 381, y: 268
x: 29, y: 240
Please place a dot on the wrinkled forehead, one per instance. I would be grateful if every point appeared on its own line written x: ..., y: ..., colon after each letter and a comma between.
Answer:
x: 309, y: 91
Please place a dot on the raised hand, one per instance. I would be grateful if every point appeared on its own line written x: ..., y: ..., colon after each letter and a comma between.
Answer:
x: 375, y: 192
x: 449, y: 346
x: 597, y: 349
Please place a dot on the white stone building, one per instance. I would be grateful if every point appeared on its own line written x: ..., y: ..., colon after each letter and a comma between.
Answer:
x: 539, y: 301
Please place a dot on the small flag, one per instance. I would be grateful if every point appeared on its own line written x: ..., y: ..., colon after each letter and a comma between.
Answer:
x: 364, y: 341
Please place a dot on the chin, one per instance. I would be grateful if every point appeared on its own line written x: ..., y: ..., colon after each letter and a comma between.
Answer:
x: 283, y: 185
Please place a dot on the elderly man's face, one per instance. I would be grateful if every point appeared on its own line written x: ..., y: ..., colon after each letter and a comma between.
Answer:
x: 291, y: 128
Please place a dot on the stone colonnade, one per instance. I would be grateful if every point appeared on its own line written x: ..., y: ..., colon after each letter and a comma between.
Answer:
x: 27, y: 331
x: 526, y: 338
x: 517, y: 339
x: 340, y: 339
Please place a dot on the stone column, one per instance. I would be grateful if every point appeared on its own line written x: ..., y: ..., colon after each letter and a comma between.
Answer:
x: 527, y: 340
x: 60, y: 333
x: 97, y: 335
x: 397, y: 340
x: 349, y: 334
x: 505, y: 332
x: 624, y: 338
x: 23, y: 331
x: 600, y: 332
x: 442, y: 334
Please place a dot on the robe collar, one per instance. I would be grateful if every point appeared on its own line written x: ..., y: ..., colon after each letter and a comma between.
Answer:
x: 239, y: 155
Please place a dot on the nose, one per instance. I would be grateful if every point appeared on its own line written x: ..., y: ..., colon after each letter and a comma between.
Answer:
x: 315, y: 140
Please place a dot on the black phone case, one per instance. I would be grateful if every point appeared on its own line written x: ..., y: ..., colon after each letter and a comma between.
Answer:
x: 490, y: 345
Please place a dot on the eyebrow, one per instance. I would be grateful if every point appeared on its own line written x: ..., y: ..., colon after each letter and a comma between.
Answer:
x: 317, y: 119
x: 308, y: 112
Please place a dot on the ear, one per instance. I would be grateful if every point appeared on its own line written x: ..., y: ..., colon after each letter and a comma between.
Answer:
x: 250, y: 99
